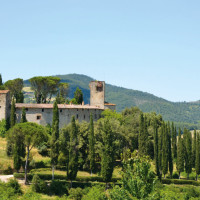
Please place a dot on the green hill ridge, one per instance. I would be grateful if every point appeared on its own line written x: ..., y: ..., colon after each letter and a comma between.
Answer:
x: 182, y: 113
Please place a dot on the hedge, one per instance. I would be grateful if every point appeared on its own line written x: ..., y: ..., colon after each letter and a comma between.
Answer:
x: 180, y: 182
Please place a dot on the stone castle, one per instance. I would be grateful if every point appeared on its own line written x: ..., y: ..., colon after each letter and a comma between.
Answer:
x: 43, y: 113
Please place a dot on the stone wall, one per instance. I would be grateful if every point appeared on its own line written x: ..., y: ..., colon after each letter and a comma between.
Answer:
x: 97, y: 93
x: 43, y: 116
x: 4, y: 104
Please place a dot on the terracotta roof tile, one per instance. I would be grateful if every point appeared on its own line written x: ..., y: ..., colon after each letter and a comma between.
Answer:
x: 109, y: 104
x: 60, y: 106
x: 4, y: 91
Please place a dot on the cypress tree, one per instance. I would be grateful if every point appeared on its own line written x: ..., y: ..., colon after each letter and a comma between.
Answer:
x: 12, y: 114
x: 9, y: 147
x: 73, y: 152
x: 91, y: 145
x: 54, y: 143
x: 180, y: 154
x: 156, y: 150
x: 194, y: 148
x: 107, y: 159
x: 170, y: 153
x: 174, y: 141
x: 143, y: 136
x: 16, y: 156
x: 165, y: 151
x: 1, y: 82
x: 188, y: 151
x: 197, y: 160
x: 160, y: 138
x: 23, y: 118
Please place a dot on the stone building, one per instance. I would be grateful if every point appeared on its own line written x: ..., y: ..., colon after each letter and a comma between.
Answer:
x: 43, y: 113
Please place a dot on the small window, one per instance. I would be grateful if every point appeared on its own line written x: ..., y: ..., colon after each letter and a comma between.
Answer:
x: 60, y: 110
x: 77, y: 109
x: 77, y: 116
x: 26, y: 109
x: 84, y: 116
x: 82, y: 109
x: 42, y: 109
x: 39, y: 117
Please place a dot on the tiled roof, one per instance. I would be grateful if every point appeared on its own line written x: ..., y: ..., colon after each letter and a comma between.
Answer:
x: 109, y: 104
x: 4, y: 91
x: 60, y: 106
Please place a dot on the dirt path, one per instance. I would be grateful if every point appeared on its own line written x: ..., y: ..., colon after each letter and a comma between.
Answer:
x: 5, y: 178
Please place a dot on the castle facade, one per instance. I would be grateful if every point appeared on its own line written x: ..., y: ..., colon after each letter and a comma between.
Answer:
x: 43, y: 113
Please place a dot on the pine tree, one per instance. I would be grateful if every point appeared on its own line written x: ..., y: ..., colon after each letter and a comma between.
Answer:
x: 156, y: 150
x: 194, y: 149
x: 91, y: 145
x: 23, y: 118
x: 165, y: 151
x: 54, y: 143
x: 197, y: 160
x: 107, y: 159
x: 188, y: 151
x: 12, y: 114
x: 180, y: 154
x: 73, y: 152
x: 143, y: 136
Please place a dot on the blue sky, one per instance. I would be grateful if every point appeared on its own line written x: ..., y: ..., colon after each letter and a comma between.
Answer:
x: 147, y: 45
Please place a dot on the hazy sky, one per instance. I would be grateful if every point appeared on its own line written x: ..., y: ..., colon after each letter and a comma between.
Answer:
x: 147, y: 45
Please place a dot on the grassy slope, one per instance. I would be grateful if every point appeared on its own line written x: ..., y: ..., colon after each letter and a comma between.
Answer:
x: 177, y: 112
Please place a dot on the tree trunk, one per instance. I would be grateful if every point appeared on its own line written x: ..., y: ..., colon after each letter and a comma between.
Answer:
x: 164, y: 176
x: 187, y: 176
x: 179, y: 175
x: 26, y: 166
x: 71, y: 183
x: 53, y: 172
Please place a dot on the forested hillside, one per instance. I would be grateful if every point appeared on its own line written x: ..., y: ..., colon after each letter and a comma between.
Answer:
x: 180, y: 112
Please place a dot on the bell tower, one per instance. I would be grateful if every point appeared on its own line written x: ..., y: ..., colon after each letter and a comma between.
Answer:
x: 4, y: 104
x: 97, y: 93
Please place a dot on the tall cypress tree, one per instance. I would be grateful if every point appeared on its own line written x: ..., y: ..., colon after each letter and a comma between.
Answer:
x: 194, y: 148
x: 9, y: 147
x: 16, y: 156
x: 73, y: 152
x: 143, y: 136
x: 170, y: 152
x: 23, y: 118
x: 54, y: 143
x: 156, y: 149
x: 91, y: 145
x: 180, y: 154
x: 1, y: 82
x: 107, y: 159
x: 174, y: 141
x: 188, y: 151
x: 160, y: 139
x: 165, y: 151
x: 197, y: 160
x: 12, y: 114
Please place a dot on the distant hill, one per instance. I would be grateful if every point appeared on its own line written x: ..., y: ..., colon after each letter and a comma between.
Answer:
x: 184, y: 114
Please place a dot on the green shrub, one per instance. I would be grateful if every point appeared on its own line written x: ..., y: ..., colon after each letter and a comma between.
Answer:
x: 76, y: 193
x: 13, y: 183
x: 7, y: 192
x: 38, y: 185
x: 58, y: 188
x: 43, y: 149
x: 30, y: 195
x: 97, y: 192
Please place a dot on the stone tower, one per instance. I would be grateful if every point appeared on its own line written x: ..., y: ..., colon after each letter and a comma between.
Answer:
x: 97, y: 93
x: 4, y: 104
